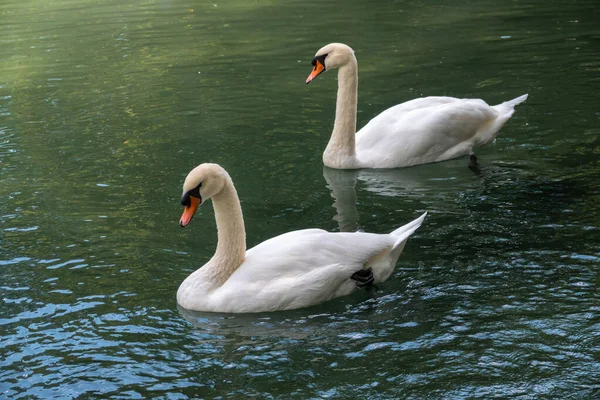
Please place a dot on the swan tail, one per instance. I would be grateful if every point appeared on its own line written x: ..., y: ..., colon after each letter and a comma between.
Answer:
x: 508, y: 107
x: 383, y: 265
x: 505, y: 110
x: 517, y: 101
x: 403, y: 233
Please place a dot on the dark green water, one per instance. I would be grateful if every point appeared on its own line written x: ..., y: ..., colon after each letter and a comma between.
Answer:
x: 105, y: 107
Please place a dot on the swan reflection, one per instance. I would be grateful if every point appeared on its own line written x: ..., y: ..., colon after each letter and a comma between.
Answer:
x: 422, y: 186
x: 343, y: 314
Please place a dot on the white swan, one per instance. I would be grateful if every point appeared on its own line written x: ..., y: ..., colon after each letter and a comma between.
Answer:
x: 419, y: 131
x: 293, y: 270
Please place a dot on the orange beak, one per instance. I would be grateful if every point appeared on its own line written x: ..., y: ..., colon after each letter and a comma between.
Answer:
x: 189, y: 211
x: 316, y: 71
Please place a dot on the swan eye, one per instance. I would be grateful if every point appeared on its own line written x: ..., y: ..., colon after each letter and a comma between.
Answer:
x: 195, y: 192
x: 320, y: 59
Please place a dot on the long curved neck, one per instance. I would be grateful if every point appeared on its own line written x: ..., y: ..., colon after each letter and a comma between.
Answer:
x: 342, y: 145
x: 231, y: 246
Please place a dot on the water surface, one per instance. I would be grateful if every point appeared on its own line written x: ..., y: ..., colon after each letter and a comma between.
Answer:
x: 105, y: 107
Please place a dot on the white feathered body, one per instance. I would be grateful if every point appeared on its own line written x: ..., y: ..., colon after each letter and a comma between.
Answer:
x: 298, y: 269
x: 419, y: 131
x: 430, y: 129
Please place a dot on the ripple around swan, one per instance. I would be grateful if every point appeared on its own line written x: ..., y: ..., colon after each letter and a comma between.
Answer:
x: 272, y: 346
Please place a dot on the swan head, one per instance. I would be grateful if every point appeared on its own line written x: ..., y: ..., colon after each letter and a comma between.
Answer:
x: 334, y: 55
x: 202, y: 183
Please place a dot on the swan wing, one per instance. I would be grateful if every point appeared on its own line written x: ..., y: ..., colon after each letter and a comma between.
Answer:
x: 305, y: 251
x: 423, y: 130
x: 299, y: 269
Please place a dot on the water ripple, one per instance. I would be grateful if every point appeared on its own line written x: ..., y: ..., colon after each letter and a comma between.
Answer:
x: 105, y: 106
